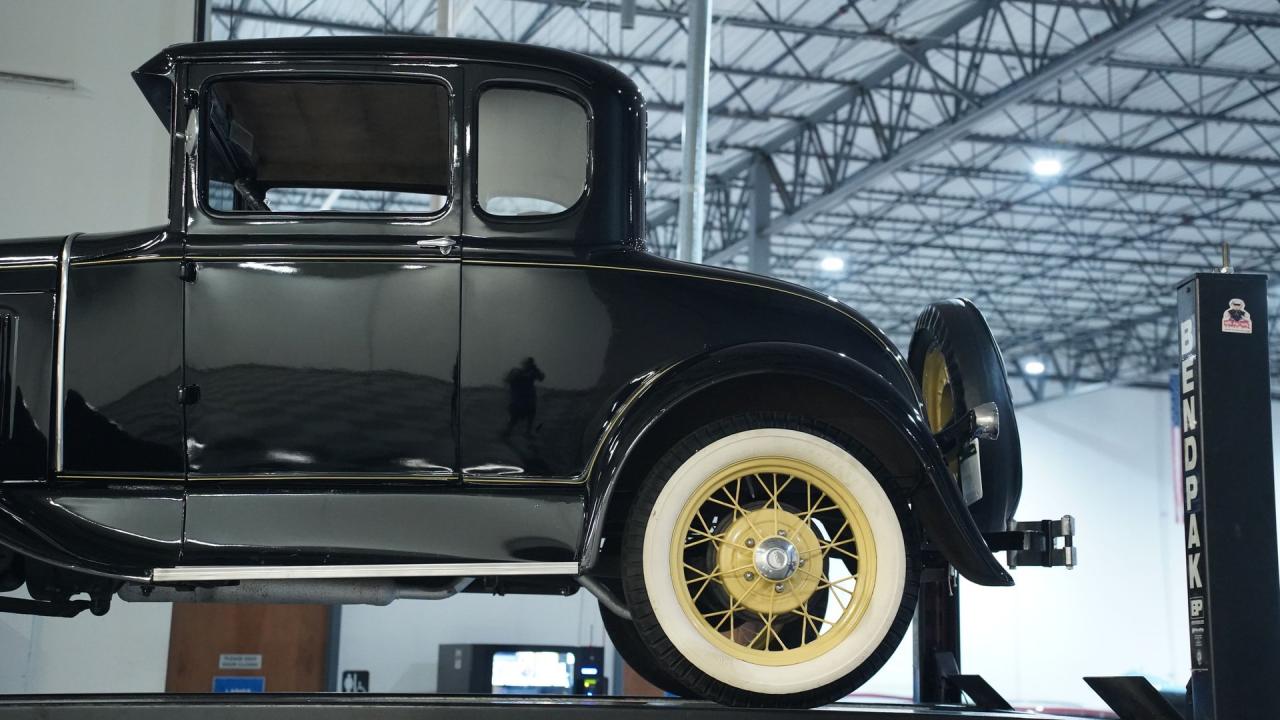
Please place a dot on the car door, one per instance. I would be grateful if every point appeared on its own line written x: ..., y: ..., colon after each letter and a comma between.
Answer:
x: 321, y: 309
x: 534, y: 330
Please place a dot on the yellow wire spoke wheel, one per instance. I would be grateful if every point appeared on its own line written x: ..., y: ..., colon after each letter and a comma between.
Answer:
x: 772, y: 560
x: 761, y: 539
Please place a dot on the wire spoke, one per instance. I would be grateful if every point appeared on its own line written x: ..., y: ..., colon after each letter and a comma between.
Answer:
x: 722, y: 503
x: 810, y: 619
x: 769, y: 626
x: 705, y: 527
x: 827, y: 548
x: 694, y: 543
x: 718, y: 539
x: 824, y: 582
x: 734, y: 605
x: 704, y: 575
x: 807, y: 515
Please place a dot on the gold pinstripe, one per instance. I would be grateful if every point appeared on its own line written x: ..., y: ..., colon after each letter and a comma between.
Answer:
x: 325, y: 477
x: 124, y: 261
x: 673, y: 273
x: 136, y: 478
x: 215, y: 478
x: 520, y: 480
x: 320, y: 258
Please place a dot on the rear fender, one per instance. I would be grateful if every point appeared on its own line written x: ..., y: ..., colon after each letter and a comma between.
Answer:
x: 934, y: 494
x: 27, y: 510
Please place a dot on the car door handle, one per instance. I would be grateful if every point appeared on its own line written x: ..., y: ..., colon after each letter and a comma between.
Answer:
x: 442, y: 244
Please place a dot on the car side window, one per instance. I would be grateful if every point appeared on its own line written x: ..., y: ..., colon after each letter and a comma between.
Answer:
x: 531, y: 150
x: 275, y: 145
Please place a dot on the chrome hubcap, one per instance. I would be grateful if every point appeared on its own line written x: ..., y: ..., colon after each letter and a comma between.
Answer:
x: 776, y: 558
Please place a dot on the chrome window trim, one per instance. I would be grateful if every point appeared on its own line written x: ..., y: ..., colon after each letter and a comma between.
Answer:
x: 60, y: 353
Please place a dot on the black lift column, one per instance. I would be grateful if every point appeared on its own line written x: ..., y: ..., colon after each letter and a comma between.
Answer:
x: 1233, y: 592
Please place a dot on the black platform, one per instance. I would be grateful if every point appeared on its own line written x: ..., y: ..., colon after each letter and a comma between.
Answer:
x: 420, y: 707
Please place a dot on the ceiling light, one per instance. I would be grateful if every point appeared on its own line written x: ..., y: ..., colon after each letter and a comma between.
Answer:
x: 1214, y: 13
x: 1047, y: 167
x: 1033, y: 367
x: 832, y: 263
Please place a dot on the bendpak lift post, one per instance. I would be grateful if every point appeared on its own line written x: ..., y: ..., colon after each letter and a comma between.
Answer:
x: 1233, y: 590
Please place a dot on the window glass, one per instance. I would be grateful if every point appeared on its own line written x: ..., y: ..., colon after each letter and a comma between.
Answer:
x: 531, y: 152
x: 315, y: 146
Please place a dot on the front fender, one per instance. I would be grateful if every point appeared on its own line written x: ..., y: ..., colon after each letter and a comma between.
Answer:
x: 936, y: 501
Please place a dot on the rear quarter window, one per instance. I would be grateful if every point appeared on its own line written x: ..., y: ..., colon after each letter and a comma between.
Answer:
x: 532, y: 152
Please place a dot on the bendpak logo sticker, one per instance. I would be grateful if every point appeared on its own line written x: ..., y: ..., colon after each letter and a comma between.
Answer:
x: 1236, y: 319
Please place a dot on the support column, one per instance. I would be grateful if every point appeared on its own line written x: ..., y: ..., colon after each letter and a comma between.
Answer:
x: 937, y: 637
x: 444, y: 18
x: 693, y: 176
x: 203, y: 16
x: 760, y: 248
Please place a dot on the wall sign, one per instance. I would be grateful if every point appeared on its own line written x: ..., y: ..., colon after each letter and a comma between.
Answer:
x: 354, y: 681
x: 239, y: 684
x: 240, y: 661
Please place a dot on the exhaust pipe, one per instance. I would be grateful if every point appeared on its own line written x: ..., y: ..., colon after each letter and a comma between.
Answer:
x: 303, y: 592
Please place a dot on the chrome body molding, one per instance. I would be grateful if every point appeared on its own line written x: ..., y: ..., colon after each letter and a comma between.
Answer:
x: 60, y: 352
x: 290, y: 572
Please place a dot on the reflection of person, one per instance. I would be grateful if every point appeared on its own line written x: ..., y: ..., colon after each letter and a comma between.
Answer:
x: 522, y: 398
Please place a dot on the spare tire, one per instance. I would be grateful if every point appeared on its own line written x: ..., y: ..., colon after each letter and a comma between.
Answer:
x: 958, y: 365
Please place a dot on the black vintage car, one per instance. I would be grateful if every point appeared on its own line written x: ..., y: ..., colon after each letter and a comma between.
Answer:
x: 400, y: 337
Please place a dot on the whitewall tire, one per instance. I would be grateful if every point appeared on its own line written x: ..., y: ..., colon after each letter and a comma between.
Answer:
x: 766, y: 564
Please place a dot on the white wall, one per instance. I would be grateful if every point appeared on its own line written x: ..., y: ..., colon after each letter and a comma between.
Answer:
x: 94, y: 158
x: 91, y: 159
x: 125, y: 651
x: 398, y: 644
x: 1105, y: 458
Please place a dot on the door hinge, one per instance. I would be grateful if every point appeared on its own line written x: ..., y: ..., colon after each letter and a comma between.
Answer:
x: 188, y: 394
x: 187, y: 271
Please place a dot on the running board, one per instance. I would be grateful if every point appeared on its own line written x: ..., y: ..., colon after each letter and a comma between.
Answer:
x: 293, y: 572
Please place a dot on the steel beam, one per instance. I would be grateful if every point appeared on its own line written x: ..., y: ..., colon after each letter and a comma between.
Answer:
x: 1142, y: 152
x: 1171, y: 113
x: 1201, y: 70
x: 841, y: 99
x: 991, y: 105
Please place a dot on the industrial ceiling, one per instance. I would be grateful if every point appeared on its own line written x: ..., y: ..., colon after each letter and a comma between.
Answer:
x: 1063, y: 164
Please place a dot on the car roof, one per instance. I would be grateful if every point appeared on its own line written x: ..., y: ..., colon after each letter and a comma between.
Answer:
x: 585, y: 68
x: 153, y: 77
